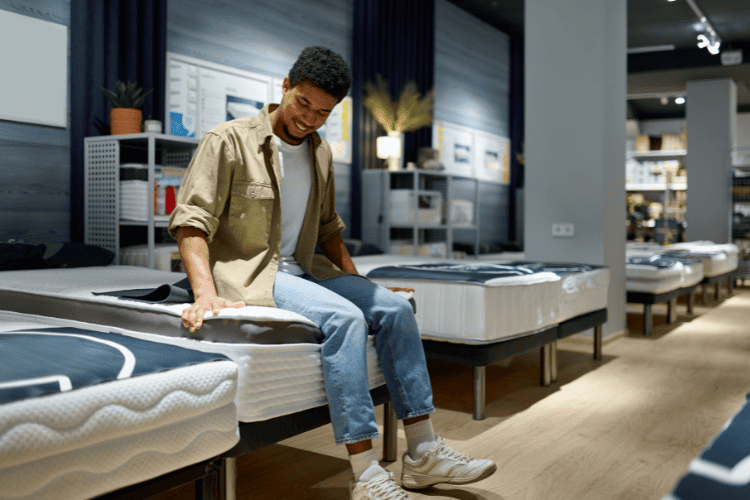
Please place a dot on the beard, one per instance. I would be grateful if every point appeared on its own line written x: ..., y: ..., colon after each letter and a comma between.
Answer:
x: 294, y: 136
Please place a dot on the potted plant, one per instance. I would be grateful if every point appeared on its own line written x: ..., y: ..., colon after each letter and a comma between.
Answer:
x: 126, y: 115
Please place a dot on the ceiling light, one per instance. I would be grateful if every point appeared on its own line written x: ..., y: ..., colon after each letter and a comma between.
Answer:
x: 712, y: 44
x: 679, y: 100
x: 664, y: 101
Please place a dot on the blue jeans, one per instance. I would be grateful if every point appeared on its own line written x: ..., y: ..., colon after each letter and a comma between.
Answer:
x: 346, y: 309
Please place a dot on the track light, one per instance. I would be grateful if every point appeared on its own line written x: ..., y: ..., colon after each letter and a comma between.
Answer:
x: 712, y: 45
x: 679, y: 100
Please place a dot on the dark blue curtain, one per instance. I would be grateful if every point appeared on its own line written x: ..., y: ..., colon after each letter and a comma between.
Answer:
x: 111, y: 40
x: 394, y: 39
x: 516, y: 132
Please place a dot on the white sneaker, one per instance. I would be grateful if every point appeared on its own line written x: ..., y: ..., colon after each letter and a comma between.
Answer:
x: 382, y: 487
x: 443, y: 464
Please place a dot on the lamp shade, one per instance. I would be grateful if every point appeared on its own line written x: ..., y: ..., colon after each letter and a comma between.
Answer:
x: 388, y: 147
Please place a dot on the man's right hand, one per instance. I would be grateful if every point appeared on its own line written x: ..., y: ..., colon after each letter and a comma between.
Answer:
x: 192, y: 317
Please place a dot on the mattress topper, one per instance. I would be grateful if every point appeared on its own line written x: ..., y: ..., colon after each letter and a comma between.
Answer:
x: 39, y: 361
x: 559, y: 268
x: 481, y: 273
x: 662, y: 262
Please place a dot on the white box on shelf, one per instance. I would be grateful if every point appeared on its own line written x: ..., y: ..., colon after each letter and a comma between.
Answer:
x: 429, y: 210
x: 462, y: 212
x: 425, y: 250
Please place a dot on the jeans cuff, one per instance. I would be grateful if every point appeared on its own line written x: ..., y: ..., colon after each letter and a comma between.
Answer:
x: 352, y: 440
x: 416, y: 413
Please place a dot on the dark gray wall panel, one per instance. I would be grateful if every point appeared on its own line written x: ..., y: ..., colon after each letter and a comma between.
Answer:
x: 472, y: 71
x: 35, y: 159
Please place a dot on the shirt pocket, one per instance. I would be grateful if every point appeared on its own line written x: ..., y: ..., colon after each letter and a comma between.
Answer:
x: 251, y: 211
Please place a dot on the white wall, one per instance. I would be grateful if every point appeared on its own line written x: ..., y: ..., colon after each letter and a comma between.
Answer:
x: 742, y: 134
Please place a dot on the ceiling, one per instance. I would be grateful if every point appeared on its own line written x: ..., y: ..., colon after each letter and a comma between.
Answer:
x: 652, y: 75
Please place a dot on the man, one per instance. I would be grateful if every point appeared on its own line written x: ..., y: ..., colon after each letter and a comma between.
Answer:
x: 256, y: 199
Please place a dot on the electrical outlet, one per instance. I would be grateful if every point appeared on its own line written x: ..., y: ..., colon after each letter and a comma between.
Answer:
x: 563, y: 230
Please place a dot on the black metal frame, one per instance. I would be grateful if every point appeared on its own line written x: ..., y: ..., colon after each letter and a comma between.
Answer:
x: 648, y: 299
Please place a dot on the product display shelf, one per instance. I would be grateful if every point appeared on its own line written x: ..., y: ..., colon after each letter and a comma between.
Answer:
x: 391, y: 204
x: 103, y: 157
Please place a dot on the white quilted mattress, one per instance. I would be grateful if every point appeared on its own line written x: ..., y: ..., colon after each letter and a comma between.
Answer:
x: 273, y: 380
x: 716, y: 259
x: 647, y: 276
x: 472, y: 312
x: 77, y: 442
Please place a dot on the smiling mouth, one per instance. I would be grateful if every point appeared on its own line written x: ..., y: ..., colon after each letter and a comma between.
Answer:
x: 301, y: 127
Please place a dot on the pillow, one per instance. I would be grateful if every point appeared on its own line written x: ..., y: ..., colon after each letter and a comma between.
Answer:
x: 16, y: 257
x: 76, y: 255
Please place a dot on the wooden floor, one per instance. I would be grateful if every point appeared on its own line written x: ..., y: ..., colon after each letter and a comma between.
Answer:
x: 623, y: 428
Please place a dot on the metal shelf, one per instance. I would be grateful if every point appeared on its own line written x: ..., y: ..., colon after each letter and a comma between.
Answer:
x: 658, y: 155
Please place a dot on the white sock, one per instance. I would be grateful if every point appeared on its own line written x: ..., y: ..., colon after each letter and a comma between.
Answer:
x: 361, y: 462
x: 420, y: 438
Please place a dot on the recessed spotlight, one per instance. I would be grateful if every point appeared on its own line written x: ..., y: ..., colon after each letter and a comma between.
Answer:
x: 664, y: 101
x: 679, y: 100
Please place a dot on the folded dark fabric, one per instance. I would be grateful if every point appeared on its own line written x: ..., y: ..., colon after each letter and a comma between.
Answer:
x: 19, y: 257
x: 180, y: 292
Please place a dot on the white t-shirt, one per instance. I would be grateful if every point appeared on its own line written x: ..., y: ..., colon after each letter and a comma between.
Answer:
x: 296, y: 183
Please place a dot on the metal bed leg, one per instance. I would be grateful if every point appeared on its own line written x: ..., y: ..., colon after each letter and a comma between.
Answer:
x: 544, y: 362
x: 553, y: 362
x: 648, y: 319
x: 690, y: 302
x: 479, y: 391
x: 703, y: 294
x: 205, y: 488
x: 598, y: 342
x: 229, y: 479
x: 730, y: 286
x: 716, y: 290
x: 672, y: 310
x: 389, y: 433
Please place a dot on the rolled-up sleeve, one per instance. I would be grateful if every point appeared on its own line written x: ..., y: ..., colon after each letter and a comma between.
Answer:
x: 330, y: 222
x: 205, y: 188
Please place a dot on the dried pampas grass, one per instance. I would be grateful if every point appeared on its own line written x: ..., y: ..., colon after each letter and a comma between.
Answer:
x: 411, y: 111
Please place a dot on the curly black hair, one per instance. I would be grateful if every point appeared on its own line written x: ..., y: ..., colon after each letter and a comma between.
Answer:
x: 323, y: 68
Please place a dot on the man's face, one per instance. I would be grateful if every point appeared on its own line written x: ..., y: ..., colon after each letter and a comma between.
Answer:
x: 303, y: 110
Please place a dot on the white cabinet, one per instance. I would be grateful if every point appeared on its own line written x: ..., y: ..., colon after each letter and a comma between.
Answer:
x: 418, y: 212
x: 103, y: 157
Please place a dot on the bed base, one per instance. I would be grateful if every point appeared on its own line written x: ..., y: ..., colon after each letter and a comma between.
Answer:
x: 649, y: 299
x: 216, y: 478
x: 482, y: 355
x: 728, y: 278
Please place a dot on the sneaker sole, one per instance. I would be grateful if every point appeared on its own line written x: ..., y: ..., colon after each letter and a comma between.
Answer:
x: 418, y: 482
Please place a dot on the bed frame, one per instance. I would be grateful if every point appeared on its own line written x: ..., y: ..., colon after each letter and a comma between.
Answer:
x: 649, y: 299
x: 482, y: 355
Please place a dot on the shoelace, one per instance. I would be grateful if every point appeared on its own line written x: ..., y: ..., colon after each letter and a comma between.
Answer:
x: 449, y: 452
x: 386, y: 486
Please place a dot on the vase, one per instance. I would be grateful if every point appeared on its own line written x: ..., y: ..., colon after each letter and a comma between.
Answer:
x: 396, y: 163
x: 125, y: 121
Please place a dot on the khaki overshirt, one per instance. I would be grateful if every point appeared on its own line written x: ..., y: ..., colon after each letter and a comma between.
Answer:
x: 231, y: 191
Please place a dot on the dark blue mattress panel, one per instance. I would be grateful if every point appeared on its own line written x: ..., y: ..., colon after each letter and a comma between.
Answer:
x: 728, y: 451
x: 475, y: 273
x: 50, y: 360
x: 661, y: 262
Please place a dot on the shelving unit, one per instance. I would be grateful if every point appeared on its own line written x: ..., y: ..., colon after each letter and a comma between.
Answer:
x: 741, y: 208
x: 103, y: 157
x: 670, y: 184
x: 378, y: 226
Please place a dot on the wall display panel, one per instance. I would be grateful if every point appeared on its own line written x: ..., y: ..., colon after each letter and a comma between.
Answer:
x: 492, y: 157
x: 472, y: 153
x: 202, y: 95
x: 455, y: 145
x: 35, y: 70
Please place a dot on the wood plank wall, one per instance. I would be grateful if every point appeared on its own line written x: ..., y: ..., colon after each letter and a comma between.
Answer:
x: 35, y: 159
x: 472, y: 78
x: 264, y: 36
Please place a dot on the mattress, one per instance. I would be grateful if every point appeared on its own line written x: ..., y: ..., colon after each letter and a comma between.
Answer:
x: 277, y: 352
x: 84, y: 412
x: 721, y: 471
x: 715, y: 260
x: 657, y: 274
x: 476, y: 302
x: 723, y: 266
x: 583, y: 288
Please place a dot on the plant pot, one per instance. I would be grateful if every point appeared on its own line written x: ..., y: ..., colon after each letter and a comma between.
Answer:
x: 125, y: 121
